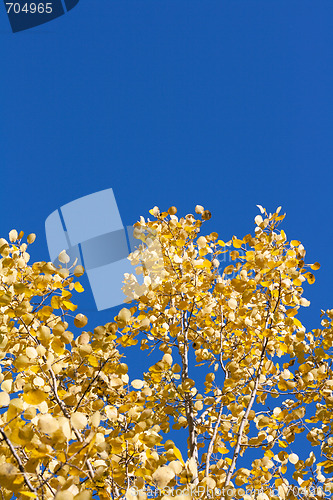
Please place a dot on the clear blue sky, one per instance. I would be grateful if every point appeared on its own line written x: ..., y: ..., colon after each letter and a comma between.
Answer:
x: 223, y: 103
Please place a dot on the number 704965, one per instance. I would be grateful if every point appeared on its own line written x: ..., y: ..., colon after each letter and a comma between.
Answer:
x: 29, y: 8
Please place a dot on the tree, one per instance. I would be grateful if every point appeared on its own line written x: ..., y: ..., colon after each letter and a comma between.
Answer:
x: 239, y: 376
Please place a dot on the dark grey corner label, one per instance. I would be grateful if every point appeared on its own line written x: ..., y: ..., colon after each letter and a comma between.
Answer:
x: 24, y: 15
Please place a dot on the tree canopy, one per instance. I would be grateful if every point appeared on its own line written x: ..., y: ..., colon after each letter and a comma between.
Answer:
x: 240, y: 383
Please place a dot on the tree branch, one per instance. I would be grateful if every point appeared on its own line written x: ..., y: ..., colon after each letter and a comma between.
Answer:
x: 212, y: 441
x: 245, y: 416
x: 18, y: 460
x: 193, y: 444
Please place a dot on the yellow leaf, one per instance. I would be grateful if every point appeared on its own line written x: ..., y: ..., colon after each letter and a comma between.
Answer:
x: 69, y: 305
x: 31, y: 238
x: 201, y: 242
x: 80, y: 320
x: 178, y: 455
x: 56, y: 302
x: 229, y: 269
x: 29, y: 494
x: 250, y: 255
x: 293, y: 458
x: 297, y: 322
x: 34, y: 397
x: 13, y: 235
x: 310, y: 277
x: 261, y: 208
x: 78, y: 287
x: 78, y: 271
x: 137, y: 384
x: 283, y: 347
x: 258, y: 220
x: 315, y: 266
x: 47, y: 424
x: 87, y: 495
x: 237, y: 243
x: 154, y: 211
x: 292, y: 312
x: 232, y: 303
x: 4, y: 399
x: 92, y: 360
x: 78, y: 420
x: 124, y: 315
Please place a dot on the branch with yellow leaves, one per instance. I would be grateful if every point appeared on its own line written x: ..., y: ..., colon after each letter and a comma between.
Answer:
x: 193, y: 443
x: 62, y: 406
x: 18, y: 460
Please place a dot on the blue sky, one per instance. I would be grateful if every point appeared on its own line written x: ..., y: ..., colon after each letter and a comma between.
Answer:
x: 223, y: 103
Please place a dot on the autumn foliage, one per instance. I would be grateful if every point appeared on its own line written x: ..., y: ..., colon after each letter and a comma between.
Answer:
x: 238, y: 376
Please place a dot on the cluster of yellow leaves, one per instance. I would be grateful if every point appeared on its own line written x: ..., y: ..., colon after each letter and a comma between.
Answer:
x: 70, y: 424
x: 238, y: 372
x: 237, y: 321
